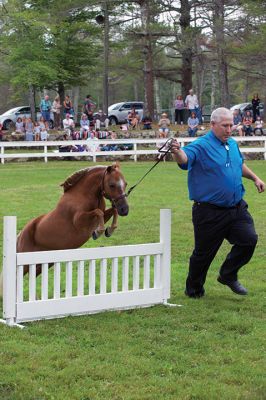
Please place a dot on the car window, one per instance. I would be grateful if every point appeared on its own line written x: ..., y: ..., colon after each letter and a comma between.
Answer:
x: 24, y: 110
x: 138, y: 106
x: 126, y: 106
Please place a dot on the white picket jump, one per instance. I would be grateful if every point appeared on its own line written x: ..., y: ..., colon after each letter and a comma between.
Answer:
x: 84, y: 281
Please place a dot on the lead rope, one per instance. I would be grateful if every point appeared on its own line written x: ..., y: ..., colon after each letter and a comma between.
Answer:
x: 167, y: 145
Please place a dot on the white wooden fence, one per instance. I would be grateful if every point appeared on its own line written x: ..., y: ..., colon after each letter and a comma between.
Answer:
x: 86, y: 280
x: 47, y: 150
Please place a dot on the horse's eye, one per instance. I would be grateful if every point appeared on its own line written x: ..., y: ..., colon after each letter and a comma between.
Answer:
x: 112, y: 186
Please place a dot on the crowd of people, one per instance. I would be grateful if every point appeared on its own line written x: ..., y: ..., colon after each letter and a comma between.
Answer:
x: 94, y: 124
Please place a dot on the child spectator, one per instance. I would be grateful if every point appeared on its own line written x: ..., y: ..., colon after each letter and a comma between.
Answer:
x: 258, y: 125
x: 193, y: 123
x: 37, y: 131
x: 164, y: 124
x: 29, y: 129
x: 20, y: 126
x: 84, y: 126
x: 44, y: 132
x: 247, y: 122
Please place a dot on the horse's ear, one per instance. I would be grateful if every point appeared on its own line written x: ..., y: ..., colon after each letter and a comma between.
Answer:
x: 109, y: 169
x: 117, y: 165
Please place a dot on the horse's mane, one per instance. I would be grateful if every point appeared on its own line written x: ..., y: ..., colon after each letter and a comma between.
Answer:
x: 74, y: 178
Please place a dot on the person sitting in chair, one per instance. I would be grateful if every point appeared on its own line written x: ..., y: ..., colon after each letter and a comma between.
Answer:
x: 101, y: 119
x: 133, y: 118
x: 247, y: 122
x: 164, y: 124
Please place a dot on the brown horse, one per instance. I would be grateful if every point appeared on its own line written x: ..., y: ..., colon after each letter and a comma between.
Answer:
x: 80, y: 212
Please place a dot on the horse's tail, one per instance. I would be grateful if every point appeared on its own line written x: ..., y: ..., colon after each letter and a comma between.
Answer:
x: 1, y: 284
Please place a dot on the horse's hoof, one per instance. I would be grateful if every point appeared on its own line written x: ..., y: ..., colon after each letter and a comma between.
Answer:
x: 94, y: 235
x: 107, y: 232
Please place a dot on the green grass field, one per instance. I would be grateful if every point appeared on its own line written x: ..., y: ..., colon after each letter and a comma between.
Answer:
x: 211, y: 348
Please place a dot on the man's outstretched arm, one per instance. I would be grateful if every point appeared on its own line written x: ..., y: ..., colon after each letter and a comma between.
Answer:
x: 247, y: 173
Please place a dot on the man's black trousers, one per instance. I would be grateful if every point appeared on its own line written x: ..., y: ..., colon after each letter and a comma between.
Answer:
x: 213, y: 224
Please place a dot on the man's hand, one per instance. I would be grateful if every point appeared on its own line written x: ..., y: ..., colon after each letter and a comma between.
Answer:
x: 175, y: 146
x: 260, y: 185
x: 178, y: 154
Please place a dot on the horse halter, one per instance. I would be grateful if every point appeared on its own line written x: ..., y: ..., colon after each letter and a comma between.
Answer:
x: 113, y: 201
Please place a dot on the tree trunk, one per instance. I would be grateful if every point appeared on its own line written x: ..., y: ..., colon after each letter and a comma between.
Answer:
x: 32, y: 102
x: 157, y: 98
x: 147, y: 58
x: 106, y: 59
x: 186, y: 50
x: 61, y: 92
x: 76, y: 101
x: 218, y: 28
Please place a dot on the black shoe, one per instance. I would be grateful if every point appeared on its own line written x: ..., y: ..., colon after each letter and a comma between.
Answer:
x: 195, y: 295
x: 235, y: 286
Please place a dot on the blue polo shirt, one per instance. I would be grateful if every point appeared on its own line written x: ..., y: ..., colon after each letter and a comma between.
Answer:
x: 214, y: 171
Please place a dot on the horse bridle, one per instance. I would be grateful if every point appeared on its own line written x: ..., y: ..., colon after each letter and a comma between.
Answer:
x: 102, y: 192
x: 164, y: 150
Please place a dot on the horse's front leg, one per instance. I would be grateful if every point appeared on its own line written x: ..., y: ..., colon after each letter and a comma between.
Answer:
x: 111, y: 212
x: 92, y: 221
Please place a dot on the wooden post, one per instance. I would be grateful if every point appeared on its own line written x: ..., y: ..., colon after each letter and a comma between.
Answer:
x: 165, y: 239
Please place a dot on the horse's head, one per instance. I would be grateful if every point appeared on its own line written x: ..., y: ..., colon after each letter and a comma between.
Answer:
x: 113, y: 188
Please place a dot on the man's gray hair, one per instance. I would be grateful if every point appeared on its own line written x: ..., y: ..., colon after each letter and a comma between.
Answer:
x: 220, y: 113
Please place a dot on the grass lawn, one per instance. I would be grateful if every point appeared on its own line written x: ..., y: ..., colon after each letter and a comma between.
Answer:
x: 211, y: 348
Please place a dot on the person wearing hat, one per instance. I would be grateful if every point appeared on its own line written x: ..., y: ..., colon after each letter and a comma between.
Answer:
x: 101, y: 119
x: 164, y: 125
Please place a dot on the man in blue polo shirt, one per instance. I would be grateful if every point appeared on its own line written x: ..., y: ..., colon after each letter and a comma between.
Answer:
x: 215, y: 169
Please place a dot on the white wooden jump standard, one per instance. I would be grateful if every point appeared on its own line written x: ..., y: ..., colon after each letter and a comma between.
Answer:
x: 156, y: 277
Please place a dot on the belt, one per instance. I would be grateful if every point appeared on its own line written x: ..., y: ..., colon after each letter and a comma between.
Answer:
x: 214, y: 206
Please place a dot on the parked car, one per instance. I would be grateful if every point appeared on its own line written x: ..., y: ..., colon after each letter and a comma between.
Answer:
x: 117, y: 113
x: 243, y: 107
x: 9, y: 118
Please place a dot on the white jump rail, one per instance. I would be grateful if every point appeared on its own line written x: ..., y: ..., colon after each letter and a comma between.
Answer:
x: 50, y: 148
x: 86, y: 280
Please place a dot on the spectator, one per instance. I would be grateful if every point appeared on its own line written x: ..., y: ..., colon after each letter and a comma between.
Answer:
x: 89, y: 107
x: 101, y: 119
x: 68, y: 125
x: 164, y: 124
x: 258, y: 125
x: 193, y: 123
x: 44, y: 132
x: 84, y: 126
x: 133, y: 118
x: 247, y: 122
x: 147, y: 121
x: 179, y: 110
x: 255, y: 106
x: 192, y: 104
x: 56, y: 107
x: 37, y: 131
x: 68, y: 107
x: 1, y: 132
x: 45, y: 108
x: 20, y: 128
x: 237, y: 123
x: 111, y: 146
x: 29, y: 129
